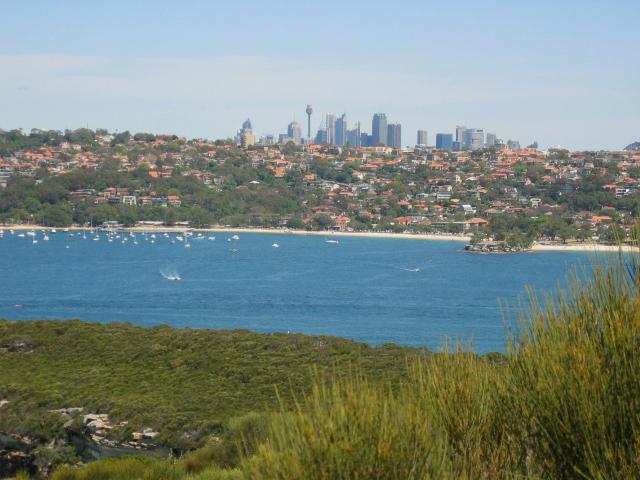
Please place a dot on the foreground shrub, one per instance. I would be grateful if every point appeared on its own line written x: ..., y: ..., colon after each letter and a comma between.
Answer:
x: 126, y: 468
x: 352, y: 429
x: 564, y: 404
x: 574, y: 381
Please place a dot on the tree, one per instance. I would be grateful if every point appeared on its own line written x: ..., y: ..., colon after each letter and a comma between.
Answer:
x: 295, y: 223
x: 56, y: 216
x: 199, y: 217
x: 322, y: 221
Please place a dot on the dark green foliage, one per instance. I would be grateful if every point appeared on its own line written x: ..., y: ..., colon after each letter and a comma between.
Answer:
x: 175, y: 381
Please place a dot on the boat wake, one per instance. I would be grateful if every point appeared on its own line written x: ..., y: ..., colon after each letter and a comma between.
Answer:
x: 170, y: 274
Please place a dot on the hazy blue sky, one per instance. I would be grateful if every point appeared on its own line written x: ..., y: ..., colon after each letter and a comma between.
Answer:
x: 562, y: 72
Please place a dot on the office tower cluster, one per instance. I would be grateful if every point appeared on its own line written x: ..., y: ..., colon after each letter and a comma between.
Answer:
x: 472, y: 139
x: 334, y: 130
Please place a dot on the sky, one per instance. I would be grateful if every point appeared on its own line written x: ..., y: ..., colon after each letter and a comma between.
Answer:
x: 564, y: 73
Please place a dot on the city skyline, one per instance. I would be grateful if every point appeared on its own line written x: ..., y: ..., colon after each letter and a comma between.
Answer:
x: 200, y: 70
x: 334, y: 130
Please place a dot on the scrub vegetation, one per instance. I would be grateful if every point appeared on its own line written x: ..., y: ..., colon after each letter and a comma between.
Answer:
x: 563, y: 403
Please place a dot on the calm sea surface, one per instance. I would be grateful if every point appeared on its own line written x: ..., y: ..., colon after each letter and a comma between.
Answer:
x: 362, y: 288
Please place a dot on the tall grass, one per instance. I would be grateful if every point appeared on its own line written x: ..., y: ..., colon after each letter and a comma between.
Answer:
x: 574, y: 380
x: 564, y: 404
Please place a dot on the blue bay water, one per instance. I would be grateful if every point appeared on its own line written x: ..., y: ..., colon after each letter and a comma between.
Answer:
x: 361, y: 288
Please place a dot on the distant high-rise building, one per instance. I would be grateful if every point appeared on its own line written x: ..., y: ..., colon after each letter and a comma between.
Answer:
x: 366, y: 140
x: 513, y: 144
x: 379, y: 129
x: 491, y: 139
x: 353, y: 136
x: 331, y: 129
x: 246, y: 134
x: 422, y: 138
x: 294, y: 132
x: 322, y: 137
x: 394, y: 135
x: 460, y: 129
x: 284, y: 138
x: 444, y: 141
x: 341, y: 130
x: 267, y: 140
x: 474, y: 138
x: 534, y: 145
x: 246, y: 137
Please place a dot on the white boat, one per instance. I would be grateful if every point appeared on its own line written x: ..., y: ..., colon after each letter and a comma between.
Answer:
x: 235, y: 237
x: 34, y: 241
x: 95, y: 239
x: 187, y: 245
x: 67, y: 246
x: 31, y: 233
x: 212, y: 238
x: 21, y: 235
x: 275, y: 245
x: 45, y: 238
x: 53, y: 230
x: 331, y: 241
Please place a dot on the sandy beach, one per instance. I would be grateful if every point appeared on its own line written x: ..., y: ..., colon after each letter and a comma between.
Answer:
x: 583, y: 247
x: 588, y: 247
x: 269, y: 231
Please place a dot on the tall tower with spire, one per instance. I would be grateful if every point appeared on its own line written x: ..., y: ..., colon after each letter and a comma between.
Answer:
x: 309, y: 112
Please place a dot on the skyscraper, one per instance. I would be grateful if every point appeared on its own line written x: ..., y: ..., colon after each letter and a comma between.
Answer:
x: 460, y: 129
x: 379, y: 129
x: 353, y: 136
x: 394, y: 135
x: 422, y: 138
x: 246, y: 134
x: 331, y: 129
x: 444, y: 141
x: 294, y: 132
x: 473, y: 138
x: 321, y: 137
x: 513, y: 144
x: 491, y: 139
x: 341, y: 130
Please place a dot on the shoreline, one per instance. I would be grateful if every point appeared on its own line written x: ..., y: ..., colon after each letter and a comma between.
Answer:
x: 587, y: 247
x: 257, y: 230
x: 584, y: 247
